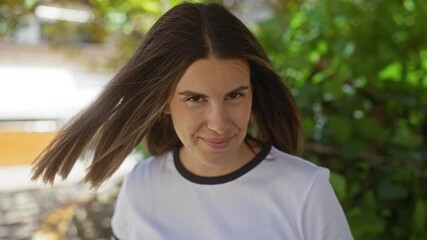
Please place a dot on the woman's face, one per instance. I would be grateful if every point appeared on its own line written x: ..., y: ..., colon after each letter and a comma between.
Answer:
x: 210, y: 111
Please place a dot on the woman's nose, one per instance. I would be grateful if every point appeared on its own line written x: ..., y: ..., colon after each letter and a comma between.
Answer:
x: 218, y: 119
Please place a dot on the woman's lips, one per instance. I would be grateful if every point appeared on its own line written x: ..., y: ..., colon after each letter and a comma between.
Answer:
x: 217, y: 143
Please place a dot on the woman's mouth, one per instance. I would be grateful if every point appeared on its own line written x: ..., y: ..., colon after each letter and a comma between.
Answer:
x: 217, y: 143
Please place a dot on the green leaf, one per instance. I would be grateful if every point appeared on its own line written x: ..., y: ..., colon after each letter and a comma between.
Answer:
x: 308, y: 127
x: 423, y: 56
x: 152, y: 7
x: 402, y: 175
x: 29, y: 3
x: 369, y: 130
x: 354, y: 189
x: 420, y: 215
x: 365, y: 224
x: 333, y: 86
x: 393, y: 71
x: 407, y: 138
x: 340, y: 128
x: 388, y: 190
x: 339, y: 184
x: 369, y: 200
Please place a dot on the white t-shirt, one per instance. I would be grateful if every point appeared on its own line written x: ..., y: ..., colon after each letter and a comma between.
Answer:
x: 274, y: 196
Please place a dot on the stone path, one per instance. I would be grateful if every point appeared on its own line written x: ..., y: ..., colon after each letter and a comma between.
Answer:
x: 30, y: 210
x: 22, y: 212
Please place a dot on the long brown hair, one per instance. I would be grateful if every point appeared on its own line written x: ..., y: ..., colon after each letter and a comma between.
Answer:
x: 130, y: 108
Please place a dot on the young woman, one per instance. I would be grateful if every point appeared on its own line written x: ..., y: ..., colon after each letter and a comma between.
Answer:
x: 224, y: 133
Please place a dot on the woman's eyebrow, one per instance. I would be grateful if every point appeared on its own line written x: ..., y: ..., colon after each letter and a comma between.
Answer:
x: 193, y: 93
x: 241, y: 88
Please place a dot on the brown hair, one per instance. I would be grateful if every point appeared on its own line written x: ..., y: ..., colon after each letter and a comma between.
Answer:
x: 130, y: 108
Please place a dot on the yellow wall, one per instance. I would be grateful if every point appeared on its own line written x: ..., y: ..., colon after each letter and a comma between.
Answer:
x: 18, y: 148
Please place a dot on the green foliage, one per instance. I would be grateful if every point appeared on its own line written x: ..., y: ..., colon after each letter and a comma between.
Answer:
x: 358, y: 70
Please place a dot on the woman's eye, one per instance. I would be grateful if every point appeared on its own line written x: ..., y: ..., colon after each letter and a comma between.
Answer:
x: 235, y: 95
x: 194, y: 99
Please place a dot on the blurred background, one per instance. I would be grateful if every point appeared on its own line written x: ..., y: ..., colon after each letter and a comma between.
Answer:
x: 357, y: 68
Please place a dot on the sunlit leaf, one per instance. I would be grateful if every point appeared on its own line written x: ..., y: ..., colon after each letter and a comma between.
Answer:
x: 27, y: 4
x: 391, y: 72
x: 152, y: 7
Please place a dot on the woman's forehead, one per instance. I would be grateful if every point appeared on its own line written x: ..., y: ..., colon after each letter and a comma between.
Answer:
x: 216, y: 70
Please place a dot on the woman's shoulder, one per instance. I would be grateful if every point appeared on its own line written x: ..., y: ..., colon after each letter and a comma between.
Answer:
x: 292, y: 162
x: 150, y: 166
x: 293, y: 168
x: 293, y: 176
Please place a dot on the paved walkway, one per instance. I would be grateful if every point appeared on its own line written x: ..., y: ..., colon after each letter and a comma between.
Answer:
x: 21, y: 212
x: 29, y: 210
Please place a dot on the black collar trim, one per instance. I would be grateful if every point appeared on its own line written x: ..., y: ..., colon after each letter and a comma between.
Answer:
x: 224, y: 178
